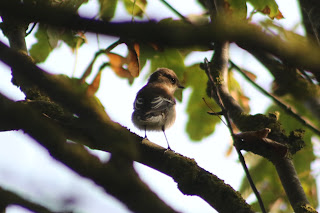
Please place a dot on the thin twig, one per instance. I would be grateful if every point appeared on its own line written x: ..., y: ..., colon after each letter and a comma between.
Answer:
x: 33, y: 26
x: 176, y: 12
x: 228, y: 120
x: 215, y: 113
x: 277, y: 101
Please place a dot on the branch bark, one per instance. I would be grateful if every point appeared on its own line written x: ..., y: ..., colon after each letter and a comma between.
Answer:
x: 275, y: 152
x: 105, y: 135
x: 10, y: 198
x: 116, y: 177
x: 185, y: 35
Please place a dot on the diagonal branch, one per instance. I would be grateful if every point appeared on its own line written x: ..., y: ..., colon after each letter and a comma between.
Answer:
x: 103, y: 134
x: 10, y: 198
x: 116, y: 177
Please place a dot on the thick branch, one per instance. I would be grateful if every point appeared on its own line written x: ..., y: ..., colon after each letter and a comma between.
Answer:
x: 117, y: 177
x: 244, y: 34
x: 10, y: 198
x: 274, y: 151
x: 191, y: 178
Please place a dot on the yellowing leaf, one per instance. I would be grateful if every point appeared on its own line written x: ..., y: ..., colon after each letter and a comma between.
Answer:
x: 268, y: 7
x: 237, y: 93
x: 236, y: 8
x: 135, y: 7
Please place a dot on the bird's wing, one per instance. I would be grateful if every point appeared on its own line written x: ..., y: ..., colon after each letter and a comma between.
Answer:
x: 156, y: 104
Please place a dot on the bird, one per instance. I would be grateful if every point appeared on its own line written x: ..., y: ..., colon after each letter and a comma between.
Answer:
x: 154, y: 106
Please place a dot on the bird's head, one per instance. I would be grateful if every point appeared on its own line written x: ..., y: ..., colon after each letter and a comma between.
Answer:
x: 167, y: 78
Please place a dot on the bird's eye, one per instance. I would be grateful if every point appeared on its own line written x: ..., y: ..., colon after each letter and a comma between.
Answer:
x: 173, y: 80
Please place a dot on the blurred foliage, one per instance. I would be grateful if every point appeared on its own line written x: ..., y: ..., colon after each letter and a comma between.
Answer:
x: 237, y: 8
x: 199, y: 124
x: 48, y: 38
x: 107, y: 9
x: 135, y: 7
x: 268, y: 7
x: 266, y: 178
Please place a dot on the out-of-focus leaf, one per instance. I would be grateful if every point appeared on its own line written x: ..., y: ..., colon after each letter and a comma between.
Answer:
x: 169, y: 58
x: 199, y: 124
x: 73, y: 40
x: 48, y: 38
x: 135, y: 7
x: 236, y: 8
x: 133, y: 59
x: 237, y: 93
x: 94, y: 86
x: 107, y: 9
x: 87, y: 72
x: 54, y: 35
x: 268, y: 7
x: 117, y: 62
x: 172, y: 59
x: 252, y: 76
x: 41, y: 50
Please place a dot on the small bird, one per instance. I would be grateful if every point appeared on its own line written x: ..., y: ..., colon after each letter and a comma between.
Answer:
x: 154, y: 106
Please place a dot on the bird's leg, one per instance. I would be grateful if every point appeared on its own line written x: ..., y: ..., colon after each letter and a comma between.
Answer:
x: 145, y: 131
x: 166, y: 137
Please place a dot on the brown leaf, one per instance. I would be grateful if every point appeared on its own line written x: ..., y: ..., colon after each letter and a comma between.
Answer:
x: 266, y: 10
x: 116, y: 60
x: 133, y: 59
x: 87, y: 72
x: 244, y: 100
x: 250, y: 75
x: 116, y: 63
x: 94, y: 86
x: 279, y: 16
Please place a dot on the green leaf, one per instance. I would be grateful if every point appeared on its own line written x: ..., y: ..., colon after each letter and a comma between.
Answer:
x: 73, y: 40
x: 135, y: 7
x: 200, y: 124
x: 268, y: 7
x: 169, y: 58
x: 237, y: 8
x: 41, y: 50
x: 107, y: 9
x: 48, y: 39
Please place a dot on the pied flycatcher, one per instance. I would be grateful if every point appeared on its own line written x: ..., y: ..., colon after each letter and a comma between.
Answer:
x: 154, y: 106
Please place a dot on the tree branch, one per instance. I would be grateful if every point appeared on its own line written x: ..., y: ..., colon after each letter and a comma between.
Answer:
x: 9, y: 198
x: 275, y: 152
x: 105, y: 135
x: 244, y: 34
x: 117, y: 177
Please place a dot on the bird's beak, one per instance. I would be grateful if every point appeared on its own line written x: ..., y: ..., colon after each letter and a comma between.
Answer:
x: 180, y: 86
